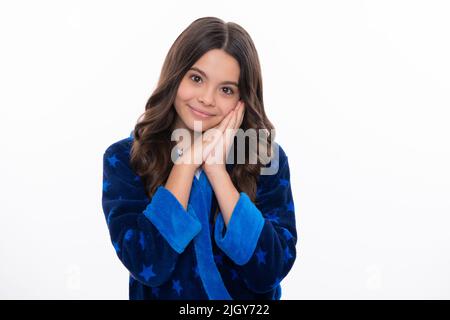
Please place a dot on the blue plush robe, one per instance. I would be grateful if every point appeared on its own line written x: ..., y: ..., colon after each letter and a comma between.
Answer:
x: 173, y: 253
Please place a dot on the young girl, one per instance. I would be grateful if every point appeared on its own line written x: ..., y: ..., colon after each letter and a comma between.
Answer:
x: 204, y: 229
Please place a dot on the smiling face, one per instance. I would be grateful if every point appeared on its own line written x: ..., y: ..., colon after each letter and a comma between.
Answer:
x: 208, y: 91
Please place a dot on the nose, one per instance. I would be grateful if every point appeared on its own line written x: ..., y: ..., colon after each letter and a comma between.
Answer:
x: 206, y: 98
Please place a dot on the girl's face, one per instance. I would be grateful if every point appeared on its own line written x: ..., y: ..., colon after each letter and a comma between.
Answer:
x: 208, y: 91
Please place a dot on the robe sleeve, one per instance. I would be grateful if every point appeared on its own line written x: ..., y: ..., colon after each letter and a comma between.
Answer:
x: 261, y: 239
x: 148, y: 236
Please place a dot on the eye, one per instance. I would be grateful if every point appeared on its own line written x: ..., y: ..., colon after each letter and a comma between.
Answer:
x: 195, y: 76
x: 230, y: 92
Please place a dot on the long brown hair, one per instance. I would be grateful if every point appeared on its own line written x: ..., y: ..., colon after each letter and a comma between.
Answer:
x: 152, y: 145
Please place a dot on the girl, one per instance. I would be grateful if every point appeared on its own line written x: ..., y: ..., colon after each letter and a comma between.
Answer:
x: 197, y: 225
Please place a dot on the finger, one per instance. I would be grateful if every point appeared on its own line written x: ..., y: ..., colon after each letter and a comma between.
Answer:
x: 237, y: 110
x: 225, y: 121
x: 213, y: 135
x: 242, y: 112
x: 236, y: 117
x: 233, y: 120
x: 229, y: 139
x: 232, y: 128
x: 228, y: 131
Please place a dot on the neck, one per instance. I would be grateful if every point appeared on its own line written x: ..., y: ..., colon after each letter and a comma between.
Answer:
x: 179, y: 124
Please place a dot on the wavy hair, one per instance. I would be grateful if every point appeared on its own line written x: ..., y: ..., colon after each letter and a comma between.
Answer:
x: 152, y: 145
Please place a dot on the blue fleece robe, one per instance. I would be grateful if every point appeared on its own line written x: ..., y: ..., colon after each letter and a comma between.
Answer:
x: 176, y: 253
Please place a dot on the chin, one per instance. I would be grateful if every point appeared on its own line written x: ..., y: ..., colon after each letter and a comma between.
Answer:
x: 204, y: 126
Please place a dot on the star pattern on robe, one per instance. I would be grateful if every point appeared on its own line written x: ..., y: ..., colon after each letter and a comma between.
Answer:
x: 290, y: 206
x: 281, y: 208
x: 116, y: 246
x: 273, y: 217
x: 261, y: 255
x: 108, y: 220
x: 106, y: 185
x: 284, y: 182
x: 277, y: 282
x: 113, y: 160
x: 147, y: 272
x: 155, y: 291
x: 195, y: 269
x: 177, y: 286
x: 128, y: 235
x: 287, y: 234
x: 142, y: 240
x: 234, y: 274
x: 287, y: 254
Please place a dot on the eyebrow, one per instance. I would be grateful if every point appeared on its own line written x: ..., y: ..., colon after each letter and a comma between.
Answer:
x: 204, y: 74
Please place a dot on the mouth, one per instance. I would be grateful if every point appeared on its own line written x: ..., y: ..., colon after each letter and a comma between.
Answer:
x: 199, y: 113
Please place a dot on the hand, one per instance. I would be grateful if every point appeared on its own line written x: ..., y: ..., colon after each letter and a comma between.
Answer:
x: 216, y: 157
x: 195, y: 153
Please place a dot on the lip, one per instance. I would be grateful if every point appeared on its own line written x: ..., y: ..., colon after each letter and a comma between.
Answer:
x: 200, y: 113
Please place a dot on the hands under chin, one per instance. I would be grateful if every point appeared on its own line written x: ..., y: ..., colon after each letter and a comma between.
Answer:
x: 213, y: 146
x: 215, y: 162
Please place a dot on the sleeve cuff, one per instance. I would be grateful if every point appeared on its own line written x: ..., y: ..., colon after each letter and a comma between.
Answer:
x: 176, y: 225
x: 243, y: 231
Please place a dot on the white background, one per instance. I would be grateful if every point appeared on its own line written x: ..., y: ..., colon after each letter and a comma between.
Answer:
x: 359, y: 94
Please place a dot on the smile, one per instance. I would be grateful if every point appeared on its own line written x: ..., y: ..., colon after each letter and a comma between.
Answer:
x: 199, y: 114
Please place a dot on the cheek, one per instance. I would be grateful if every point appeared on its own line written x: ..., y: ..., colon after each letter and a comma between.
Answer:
x: 184, y: 93
x: 213, y: 123
x: 225, y: 109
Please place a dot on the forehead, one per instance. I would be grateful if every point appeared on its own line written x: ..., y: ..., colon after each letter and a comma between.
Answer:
x: 219, y: 66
